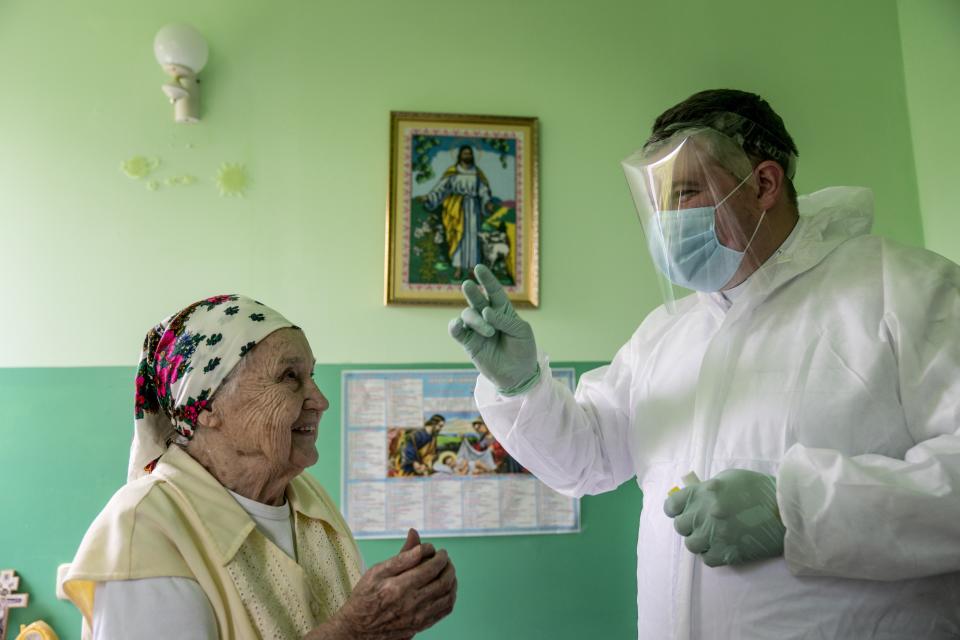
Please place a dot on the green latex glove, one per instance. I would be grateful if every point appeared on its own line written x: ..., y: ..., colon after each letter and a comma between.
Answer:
x: 498, y: 341
x: 731, y: 518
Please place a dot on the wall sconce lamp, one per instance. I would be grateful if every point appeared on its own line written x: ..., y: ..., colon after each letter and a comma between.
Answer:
x: 182, y: 52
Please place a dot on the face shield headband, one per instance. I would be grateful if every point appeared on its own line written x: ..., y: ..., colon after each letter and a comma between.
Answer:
x: 753, y: 138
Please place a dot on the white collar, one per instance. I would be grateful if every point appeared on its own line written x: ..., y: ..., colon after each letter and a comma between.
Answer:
x: 267, y: 511
x: 727, y: 297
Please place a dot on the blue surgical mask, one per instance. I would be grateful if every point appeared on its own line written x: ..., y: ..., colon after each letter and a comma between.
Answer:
x: 686, y: 249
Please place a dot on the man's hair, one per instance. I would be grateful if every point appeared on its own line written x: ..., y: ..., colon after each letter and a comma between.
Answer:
x: 462, y: 149
x: 759, y: 130
x: 435, y: 419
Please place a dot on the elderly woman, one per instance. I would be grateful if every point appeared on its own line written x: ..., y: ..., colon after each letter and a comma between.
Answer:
x: 219, y: 533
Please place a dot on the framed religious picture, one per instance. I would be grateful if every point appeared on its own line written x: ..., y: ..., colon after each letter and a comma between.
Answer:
x: 463, y: 191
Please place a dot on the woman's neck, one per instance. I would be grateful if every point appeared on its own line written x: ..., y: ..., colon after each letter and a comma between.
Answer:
x: 249, y: 475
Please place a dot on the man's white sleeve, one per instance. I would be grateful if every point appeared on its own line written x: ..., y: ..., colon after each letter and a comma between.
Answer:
x: 875, y: 517
x: 577, y: 445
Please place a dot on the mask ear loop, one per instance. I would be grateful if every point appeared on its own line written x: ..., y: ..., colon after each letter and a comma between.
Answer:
x: 759, y: 222
x: 735, y: 189
x: 757, y: 228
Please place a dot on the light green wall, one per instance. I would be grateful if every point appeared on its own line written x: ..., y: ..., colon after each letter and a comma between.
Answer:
x: 930, y: 32
x: 300, y: 92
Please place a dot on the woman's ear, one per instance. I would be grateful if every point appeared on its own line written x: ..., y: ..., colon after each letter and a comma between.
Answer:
x: 209, y: 419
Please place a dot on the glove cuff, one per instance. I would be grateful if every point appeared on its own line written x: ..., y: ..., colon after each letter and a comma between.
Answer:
x: 523, y: 387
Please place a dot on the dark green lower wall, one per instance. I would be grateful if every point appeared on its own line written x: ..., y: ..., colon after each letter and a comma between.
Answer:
x: 64, y: 439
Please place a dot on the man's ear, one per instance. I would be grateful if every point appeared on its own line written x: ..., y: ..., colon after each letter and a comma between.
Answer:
x: 770, y: 184
x: 209, y: 419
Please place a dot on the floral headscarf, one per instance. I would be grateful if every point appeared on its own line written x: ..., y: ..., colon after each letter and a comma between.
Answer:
x: 183, y: 362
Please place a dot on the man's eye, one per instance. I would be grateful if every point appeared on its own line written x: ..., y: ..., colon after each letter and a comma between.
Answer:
x: 291, y: 375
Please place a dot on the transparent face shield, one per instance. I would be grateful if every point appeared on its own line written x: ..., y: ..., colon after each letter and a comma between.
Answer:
x: 696, y: 196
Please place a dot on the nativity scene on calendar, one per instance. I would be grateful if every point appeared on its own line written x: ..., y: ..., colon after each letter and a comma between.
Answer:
x: 447, y: 446
x: 463, y: 208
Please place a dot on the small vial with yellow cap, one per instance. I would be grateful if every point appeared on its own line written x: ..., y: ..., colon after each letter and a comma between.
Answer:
x: 689, y: 479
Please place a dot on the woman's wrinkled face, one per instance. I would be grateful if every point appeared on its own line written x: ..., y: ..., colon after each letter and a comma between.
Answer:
x: 272, y: 408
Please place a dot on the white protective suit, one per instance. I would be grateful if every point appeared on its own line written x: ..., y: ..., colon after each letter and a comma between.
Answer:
x: 840, y: 375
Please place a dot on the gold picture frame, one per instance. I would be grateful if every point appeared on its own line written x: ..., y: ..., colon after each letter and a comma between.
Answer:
x: 464, y: 189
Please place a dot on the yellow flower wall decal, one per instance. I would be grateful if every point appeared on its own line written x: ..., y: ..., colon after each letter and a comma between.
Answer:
x: 139, y: 167
x: 232, y: 179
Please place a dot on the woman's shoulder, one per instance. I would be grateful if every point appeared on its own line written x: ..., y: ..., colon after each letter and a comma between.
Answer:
x: 130, y: 539
x: 133, y: 536
x: 123, y: 506
x: 139, y: 503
